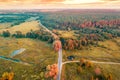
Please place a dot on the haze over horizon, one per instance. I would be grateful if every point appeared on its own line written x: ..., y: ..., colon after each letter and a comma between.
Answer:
x: 59, y: 4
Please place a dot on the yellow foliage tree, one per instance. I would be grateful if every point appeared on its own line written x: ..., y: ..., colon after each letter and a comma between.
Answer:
x: 92, y: 78
x: 110, y: 77
x: 7, y: 76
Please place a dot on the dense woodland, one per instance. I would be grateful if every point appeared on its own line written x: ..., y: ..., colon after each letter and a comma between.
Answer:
x: 89, y: 27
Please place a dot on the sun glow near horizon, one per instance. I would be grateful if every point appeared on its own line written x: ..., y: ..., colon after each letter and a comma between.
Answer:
x: 50, y: 4
x: 80, y: 1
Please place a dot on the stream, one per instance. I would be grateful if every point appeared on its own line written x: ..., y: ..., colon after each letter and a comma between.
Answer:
x: 13, y: 60
x: 16, y: 52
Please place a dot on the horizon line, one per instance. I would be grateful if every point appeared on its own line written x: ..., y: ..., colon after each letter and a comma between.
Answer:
x: 58, y: 8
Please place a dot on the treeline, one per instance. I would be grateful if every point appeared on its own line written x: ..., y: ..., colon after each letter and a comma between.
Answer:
x: 67, y: 43
x: 102, y: 23
x: 98, y: 34
x: 71, y: 44
x: 40, y: 35
x: 16, y: 18
x: 92, y: 39
x: 112, y: 24
x: 80, y: 20
x: 87, y: 37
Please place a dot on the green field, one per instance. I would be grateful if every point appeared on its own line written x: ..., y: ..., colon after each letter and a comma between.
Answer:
x: 71, y: 73
x: 40, y: 54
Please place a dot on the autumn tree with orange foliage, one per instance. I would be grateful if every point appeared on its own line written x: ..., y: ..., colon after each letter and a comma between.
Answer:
x: 52, y: 71
x: 88, y: 64
x: 57, y: 45
x: 97, y: 71
x: 70, y: 44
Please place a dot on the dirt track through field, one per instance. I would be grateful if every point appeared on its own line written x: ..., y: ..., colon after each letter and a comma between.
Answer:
x: 97, y: 62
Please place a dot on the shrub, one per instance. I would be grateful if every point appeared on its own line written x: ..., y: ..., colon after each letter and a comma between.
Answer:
x: 97, y: 71
x: 88, y: 64
x: 110, y: 77
x: 82, y: 62
x: 6, y: 33
x: 79, y: 69
x: 92, y: 77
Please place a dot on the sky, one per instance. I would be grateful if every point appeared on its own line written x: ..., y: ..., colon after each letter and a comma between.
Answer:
x: 59, y: 4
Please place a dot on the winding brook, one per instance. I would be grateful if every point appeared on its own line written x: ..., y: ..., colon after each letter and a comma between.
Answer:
x: 16, y: 52
x: 14, y: 60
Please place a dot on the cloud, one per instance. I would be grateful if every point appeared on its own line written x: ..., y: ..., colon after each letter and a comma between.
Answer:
x: 59, y: 4
x: 94, y: 3
x: 47, y: 1
x: 39, y: 1
x: 4, y: 0
x: 51, y: 1
x: 109, y: 0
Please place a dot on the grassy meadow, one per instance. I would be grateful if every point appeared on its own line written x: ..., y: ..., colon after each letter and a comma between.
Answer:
x: 40, y: 54
x: 37, y: 53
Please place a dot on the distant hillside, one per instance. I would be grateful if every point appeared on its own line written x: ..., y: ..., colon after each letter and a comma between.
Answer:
x: 23, y: 27
x: 4, y: 25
